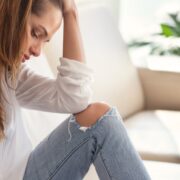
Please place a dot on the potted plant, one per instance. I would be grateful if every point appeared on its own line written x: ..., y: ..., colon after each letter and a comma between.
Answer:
x: 167, y: 42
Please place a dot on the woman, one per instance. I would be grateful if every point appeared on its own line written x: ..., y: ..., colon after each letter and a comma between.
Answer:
x: 94, y: 133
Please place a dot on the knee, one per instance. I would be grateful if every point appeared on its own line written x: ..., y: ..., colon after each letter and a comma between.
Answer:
x: 91, y: 114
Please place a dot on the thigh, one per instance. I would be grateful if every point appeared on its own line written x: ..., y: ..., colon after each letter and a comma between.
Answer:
x: 64, y: 154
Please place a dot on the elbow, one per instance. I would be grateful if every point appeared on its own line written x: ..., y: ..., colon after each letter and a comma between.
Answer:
x: 77, y: 104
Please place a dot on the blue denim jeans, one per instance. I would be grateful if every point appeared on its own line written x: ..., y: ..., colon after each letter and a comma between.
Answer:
x: 68, y: 152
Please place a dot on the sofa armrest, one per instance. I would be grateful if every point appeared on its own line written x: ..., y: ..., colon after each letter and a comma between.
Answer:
x: 161, y: 89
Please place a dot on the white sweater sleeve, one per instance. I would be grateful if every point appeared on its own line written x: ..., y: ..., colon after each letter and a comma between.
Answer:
x: 70, y: 92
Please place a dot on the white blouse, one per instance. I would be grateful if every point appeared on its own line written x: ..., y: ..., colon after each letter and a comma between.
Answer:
x: 70, y: 92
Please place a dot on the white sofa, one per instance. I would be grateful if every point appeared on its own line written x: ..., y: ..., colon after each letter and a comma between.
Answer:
x: 147, y: 100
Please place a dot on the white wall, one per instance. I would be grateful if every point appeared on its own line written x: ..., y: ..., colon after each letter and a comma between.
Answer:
x: 113, y: 5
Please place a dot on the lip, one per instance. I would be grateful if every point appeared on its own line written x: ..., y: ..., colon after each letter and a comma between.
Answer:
x: 26, y: 57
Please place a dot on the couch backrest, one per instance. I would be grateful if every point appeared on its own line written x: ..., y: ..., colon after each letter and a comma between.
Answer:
x: 116, y: 79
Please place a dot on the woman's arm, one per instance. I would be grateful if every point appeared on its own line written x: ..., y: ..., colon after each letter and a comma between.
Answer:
x: 72, y: 44
x: 70, y: 92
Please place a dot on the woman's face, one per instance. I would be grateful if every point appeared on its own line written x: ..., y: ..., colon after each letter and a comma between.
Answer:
x: 40, y: 30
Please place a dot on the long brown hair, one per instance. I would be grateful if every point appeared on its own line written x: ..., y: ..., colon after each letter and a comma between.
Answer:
x: 13, y: 19
x: 13, y: 22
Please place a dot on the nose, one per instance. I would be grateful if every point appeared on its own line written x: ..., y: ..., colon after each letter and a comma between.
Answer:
x: 35, y: 50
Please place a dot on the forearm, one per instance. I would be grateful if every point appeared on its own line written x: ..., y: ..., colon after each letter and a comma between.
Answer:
x: 72, y: 43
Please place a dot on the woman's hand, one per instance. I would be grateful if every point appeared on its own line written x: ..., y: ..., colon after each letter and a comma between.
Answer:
x: 68, y: 6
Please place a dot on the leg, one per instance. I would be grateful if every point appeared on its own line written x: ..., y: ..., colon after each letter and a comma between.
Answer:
x: 89, y: 116
x: 104, y: 143
x: 117, y: 158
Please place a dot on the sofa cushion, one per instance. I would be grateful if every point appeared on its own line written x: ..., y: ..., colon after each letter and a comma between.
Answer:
x: 156, y: 134
x: 163, y: 171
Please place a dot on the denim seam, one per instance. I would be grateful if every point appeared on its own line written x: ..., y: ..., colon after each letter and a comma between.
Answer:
x: 105, y: 165
x: 60, y: 164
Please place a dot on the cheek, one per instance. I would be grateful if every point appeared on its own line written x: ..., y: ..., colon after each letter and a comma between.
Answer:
x: 28, y: 40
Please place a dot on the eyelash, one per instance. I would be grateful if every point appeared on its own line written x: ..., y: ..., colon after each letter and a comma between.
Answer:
x: 33, y: 33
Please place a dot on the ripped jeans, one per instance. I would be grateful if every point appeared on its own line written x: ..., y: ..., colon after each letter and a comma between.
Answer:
x: 68, y: 152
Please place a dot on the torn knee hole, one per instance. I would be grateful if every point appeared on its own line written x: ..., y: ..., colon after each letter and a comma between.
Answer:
x: 91, y: 114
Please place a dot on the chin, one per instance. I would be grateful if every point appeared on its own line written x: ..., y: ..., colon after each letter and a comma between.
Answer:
x: 23, y: 60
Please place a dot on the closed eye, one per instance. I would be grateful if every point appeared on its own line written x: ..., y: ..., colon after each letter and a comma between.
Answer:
x: 34, y: 34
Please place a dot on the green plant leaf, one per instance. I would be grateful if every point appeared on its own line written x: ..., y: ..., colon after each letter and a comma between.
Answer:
x: 174, y: 51
x: 167, y: 30
x: 174, y: 17
x: 136, y: 43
